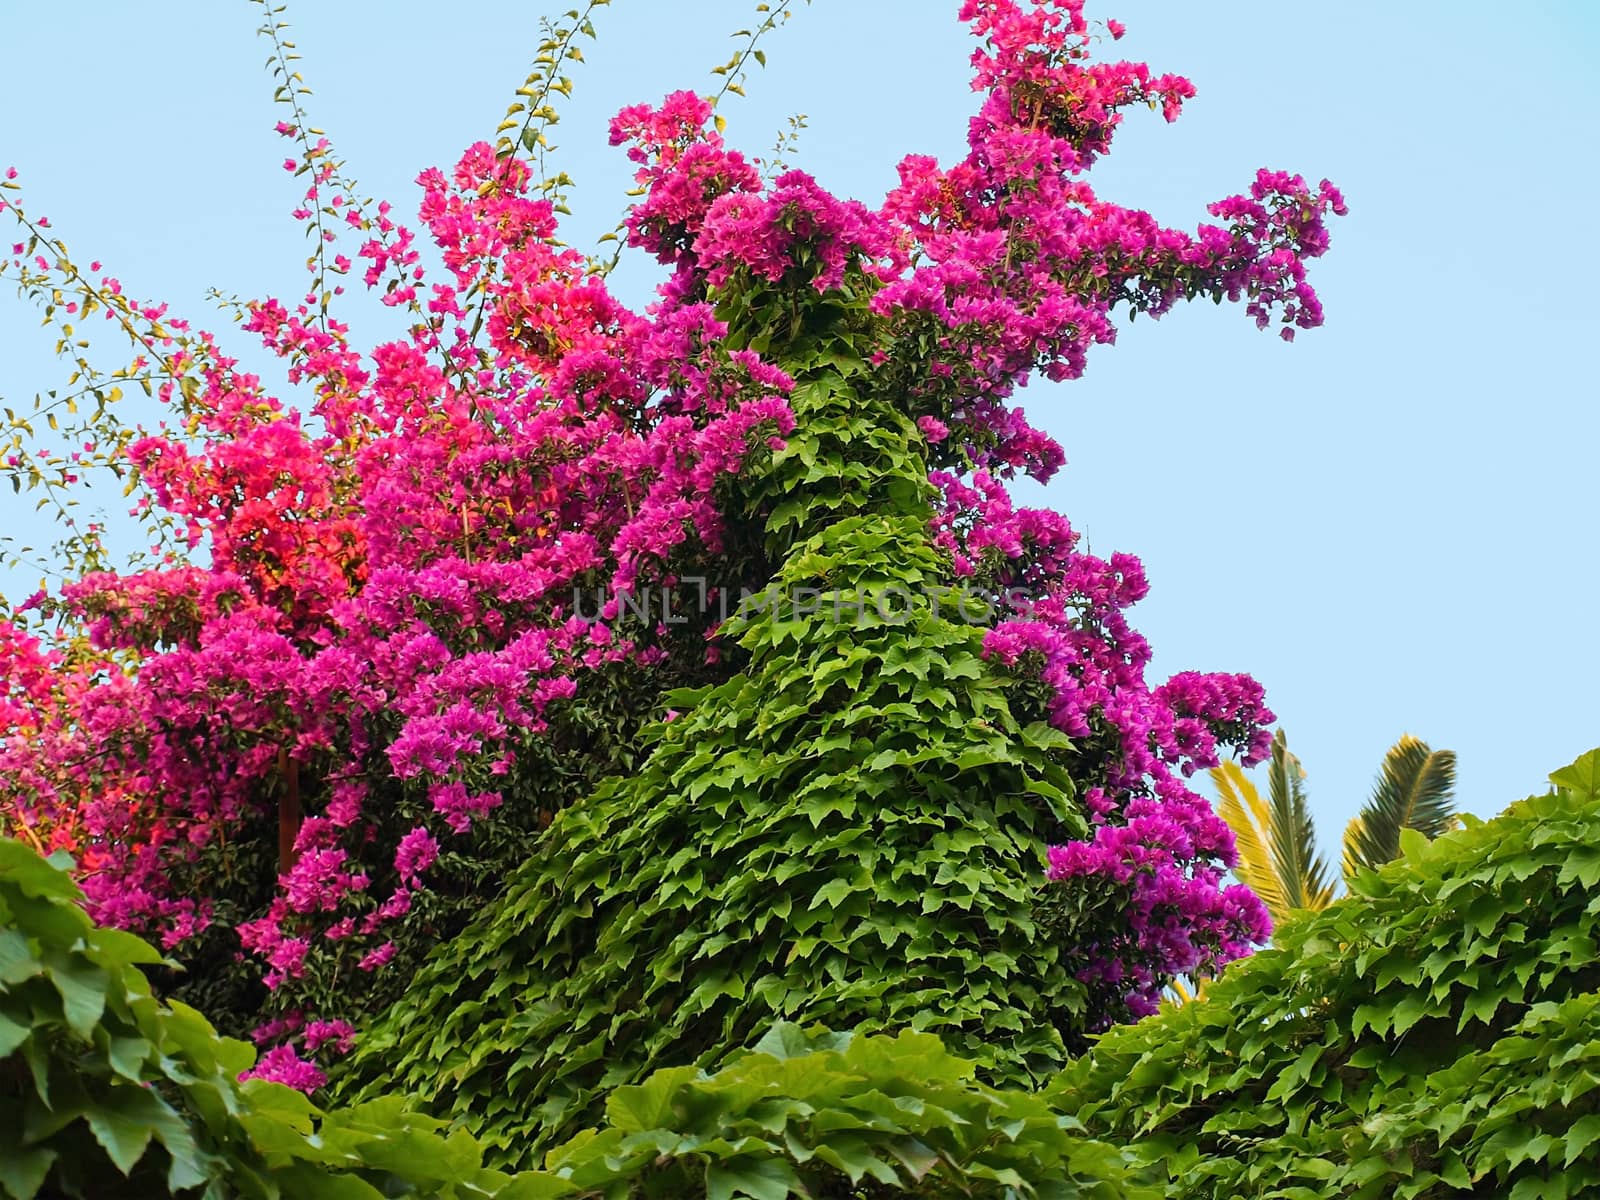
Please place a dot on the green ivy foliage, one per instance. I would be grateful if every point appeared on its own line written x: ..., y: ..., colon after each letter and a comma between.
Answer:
x: 850, y: 831
x: 1437, y: 1033
x: 106, y: 1092
x: 822, y: 1115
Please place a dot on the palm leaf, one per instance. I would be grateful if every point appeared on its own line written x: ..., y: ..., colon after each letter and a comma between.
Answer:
x: 1183, y: 990
x: 1301, y: 871
x: 1277, y: 843
x: 1414, y: 790
x: 1246, y: 813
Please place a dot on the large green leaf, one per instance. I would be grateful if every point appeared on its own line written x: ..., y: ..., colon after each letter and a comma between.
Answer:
x: 82, y: 985
x: 763, y: 1179
x: 124, y: 1122
x: 23, y: 1169
x: 12, y: 1033
x: 1582, y: 778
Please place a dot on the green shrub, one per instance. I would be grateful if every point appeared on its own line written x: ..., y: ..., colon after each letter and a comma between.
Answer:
x: 1435, y: 1034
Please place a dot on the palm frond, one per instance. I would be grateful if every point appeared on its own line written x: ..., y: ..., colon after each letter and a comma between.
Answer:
x: 1414, y: 790
x: 1183, y: 990
x: 1355, y: 834
x: 1246, y: 813
x: 1301, y: 870
x: 1276, y: 840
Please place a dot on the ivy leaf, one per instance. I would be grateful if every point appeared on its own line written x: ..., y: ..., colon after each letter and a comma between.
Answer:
x: 83, y: 990
x: 831, y: 893
x: 114, y: 947
x: 1413, y: 844
x: 127, y: 1057
x: 12, y: 1034
x: 22, y: 1168
x: 338, y: 1187
x: 33, y: 875
x: 764, y: 1179
x: 1581, y: 778
x: 1584, y: 1133
x: 17, y: 962
x: 120, y: 1128
x: 535, y: 1185
x: 648, y: 1105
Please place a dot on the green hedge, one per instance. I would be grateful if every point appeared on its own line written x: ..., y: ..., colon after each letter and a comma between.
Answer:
x: 1435, y: 1034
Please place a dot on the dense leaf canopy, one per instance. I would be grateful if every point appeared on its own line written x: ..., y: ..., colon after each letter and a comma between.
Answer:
x: 105, y: 1091
x: 1436, y: 1033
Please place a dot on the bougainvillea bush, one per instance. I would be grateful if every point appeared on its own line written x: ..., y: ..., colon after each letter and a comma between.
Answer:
x: 704, y: 628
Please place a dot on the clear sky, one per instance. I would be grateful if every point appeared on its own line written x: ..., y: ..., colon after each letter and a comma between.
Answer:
x: 1391, y: 523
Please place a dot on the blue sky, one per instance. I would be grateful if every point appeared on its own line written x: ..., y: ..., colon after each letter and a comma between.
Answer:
x: 1390, y: 523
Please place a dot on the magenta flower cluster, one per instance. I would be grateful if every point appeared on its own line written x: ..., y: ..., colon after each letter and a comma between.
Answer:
x: 1155, y: 841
